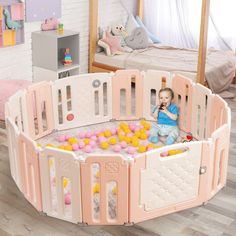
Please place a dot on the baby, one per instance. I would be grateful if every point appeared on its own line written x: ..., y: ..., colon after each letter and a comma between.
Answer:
x: 167, y: 118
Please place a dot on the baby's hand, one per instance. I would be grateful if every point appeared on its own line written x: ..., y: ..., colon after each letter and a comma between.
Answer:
x: 164, y: 109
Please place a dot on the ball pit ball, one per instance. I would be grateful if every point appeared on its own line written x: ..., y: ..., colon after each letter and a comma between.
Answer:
x: 94, y: 138
x: 88, y: 149
x: 132, y: 127
x: 104, y: 145
x: 142, y: 149
x: 88, y: 134
x: 61, y: 147
x: 75, y: 147
x: 164, y: 154
x: 92, y: 143
x: 61, y: 138
x: 102, y: 139
x: 113, y: 131
x: 67, y: 136
x: 107, y: 133
x: 131, y: 150
x: 112, y: 141
x: 67, y: 199
x: 117, y: 148
x: 143, y: 136
x: 68, y: 148
x: 135, y: 143
x: 49, y: 145
x: 81, y: 144
x: 100, y: 134
x: 82, y: 135
x: 123, y: 144
x: 86, y: 141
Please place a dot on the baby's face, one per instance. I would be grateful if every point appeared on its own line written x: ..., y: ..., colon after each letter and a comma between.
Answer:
x: 165, y: 98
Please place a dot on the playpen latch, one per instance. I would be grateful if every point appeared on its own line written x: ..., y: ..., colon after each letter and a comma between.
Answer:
x: 202, y: 170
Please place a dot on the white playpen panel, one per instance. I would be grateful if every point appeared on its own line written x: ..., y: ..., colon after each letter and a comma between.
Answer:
x: 67, y: 166
x: 201, y: 112
x: 16, y: 109
x: 12, y: 138
x: 29, y: 170
x: 153, y: 81
x: 170, y: 180
x: 82, y: 100
x: 127, y: 87
x: 183, y: 88
x: 39, y: 109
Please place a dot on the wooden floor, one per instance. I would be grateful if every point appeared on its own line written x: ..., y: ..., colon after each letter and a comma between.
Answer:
x: 218, y: 217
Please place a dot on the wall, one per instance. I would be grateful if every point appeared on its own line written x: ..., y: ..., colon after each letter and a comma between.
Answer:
x: 16, y: 61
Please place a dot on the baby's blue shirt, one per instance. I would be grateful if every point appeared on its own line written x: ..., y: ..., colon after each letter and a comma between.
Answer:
x: 163, y: 119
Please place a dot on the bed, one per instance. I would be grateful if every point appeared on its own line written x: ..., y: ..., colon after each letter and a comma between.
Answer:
x: 213, y: 68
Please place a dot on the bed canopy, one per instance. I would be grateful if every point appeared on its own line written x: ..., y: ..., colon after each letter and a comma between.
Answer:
x: 95, y: 67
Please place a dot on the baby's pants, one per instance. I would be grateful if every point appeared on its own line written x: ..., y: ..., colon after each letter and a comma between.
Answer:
x: 172, y: 132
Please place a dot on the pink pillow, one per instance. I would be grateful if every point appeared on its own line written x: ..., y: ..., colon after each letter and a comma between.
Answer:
x: 7, y: 88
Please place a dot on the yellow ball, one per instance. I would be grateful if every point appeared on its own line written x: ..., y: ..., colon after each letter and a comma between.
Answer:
x: 49, y: 145
x: 61, y: 147
x: 121, y: 137
x: 65, y: 182
x: 143, y: 130
x: 137, y: 134
x: 127, y: 139
x: 86, y: 141
x: 72, y: 140
x: 100, y: 134
x: 151, y: 145
x: 96, y: 188
x: 143, y: 122
x: 112, y: 141
x: 135, y: 143
x: 68, y: 147
x: 39, y: 145
x: 142, y: 149
x: 104, y: 145
x: 147, y: 126
x: 143, y: 136
x: 107, y: 133
x: 172, y: 152
x: 115, y: 190
x: 127, y: 130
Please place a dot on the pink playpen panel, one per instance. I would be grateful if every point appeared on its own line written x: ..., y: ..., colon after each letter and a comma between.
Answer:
x: 201, y: 112
x: 219, y: 113
x: 55, y: 166
x: 13, y: 139
x: 30, y: 173
x: 153, y: 81
x: 40, y: 109
x: 126, y: 83
x: 219, y: 163
x: 183, y: 98
x: 112, y: 168
x: 175, y: 169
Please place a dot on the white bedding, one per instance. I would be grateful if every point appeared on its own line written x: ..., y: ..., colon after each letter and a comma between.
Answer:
x: 220, y: 65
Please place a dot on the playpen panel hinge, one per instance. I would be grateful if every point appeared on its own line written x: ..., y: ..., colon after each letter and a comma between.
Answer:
x: 202, y: 170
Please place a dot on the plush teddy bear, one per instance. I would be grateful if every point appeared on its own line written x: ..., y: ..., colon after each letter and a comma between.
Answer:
x: 119, y: 30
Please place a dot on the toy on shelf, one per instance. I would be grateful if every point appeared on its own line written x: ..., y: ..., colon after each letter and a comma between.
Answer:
x: 13, y: 25
x: 60, y: 28
x: 67, y: 57
x: 49, y: 24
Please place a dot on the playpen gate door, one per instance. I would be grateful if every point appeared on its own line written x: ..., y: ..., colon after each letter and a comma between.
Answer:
x: 105, y: 190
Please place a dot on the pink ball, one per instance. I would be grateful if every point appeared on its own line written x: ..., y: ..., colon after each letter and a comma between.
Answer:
x: 117, y: 148
x: 113, y: 131
x: 92, y: 143
x: 88, y: 134
x: 131, y: 150
x: 88, y: 149
x: 122, y: 133
x: 123, y: 144
x: 82, y: 135
x: 132, y: 126
x: 148, y: 133
x: 164, y: 154
x: 102, y: 139
x: 67, y: 199
x: 67, y: 136
x: 136, y: 129
x: 81, y: 144
x: 96, y: 132
x: 149, y: 148
x: 94, y: 138
x: 75, y: 147
x: 61, y: 138
x: 129, y: 135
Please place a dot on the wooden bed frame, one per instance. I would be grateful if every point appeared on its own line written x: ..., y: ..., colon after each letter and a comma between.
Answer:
x: 99, y: 67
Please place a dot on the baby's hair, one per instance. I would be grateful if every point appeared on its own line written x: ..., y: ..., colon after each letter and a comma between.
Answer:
x: 167, y: 90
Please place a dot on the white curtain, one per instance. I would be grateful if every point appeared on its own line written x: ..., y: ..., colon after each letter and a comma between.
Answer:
x: 177, y: 22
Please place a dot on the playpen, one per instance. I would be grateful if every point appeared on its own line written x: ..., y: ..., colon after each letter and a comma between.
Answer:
x: 148, y: 185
